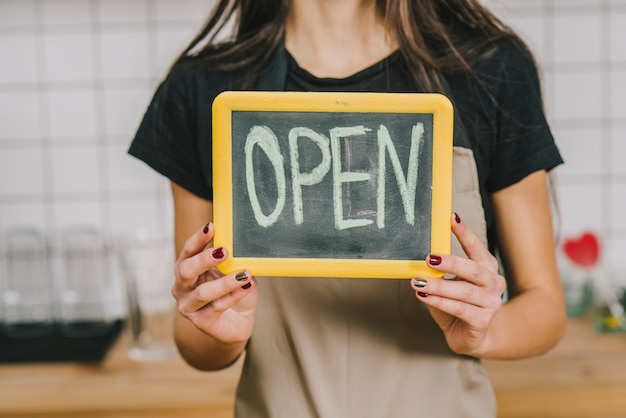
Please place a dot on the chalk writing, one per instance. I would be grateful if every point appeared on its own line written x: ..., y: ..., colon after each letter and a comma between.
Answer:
x: 267, y: 141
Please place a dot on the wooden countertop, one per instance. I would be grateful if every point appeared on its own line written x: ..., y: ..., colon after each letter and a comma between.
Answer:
x: 584, y: 377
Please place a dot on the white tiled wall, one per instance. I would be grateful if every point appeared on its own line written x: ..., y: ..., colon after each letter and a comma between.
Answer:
x: 76, y: 76
x: 581, y: 50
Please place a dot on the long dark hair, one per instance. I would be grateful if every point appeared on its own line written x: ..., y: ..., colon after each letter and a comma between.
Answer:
x: 434, y: 36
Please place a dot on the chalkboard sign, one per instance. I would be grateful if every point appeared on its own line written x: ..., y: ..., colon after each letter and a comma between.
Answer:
x: 332, y: 184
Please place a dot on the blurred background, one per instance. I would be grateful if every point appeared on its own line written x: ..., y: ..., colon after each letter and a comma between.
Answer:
x: 75, y: 79
x: 77, y: 75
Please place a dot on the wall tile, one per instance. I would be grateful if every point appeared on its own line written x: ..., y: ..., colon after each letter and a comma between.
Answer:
x: 20, y: 115
x: 617, y: 194
x: 151, y: 213
x: 16, y: 13
x: 123, y: 11
x: 127, y: 173
x: 577, y: 38
x: 166, y: 210
x: 22, y: 215
x: 581, y: 207
x: 548, y: 92
x: 69, y: 56
x: 614, y: 259
x: 617, y: 22
x: 507, y: 8
x: 67, y: 12
x: 577, y: 95
x: 74, y: 213
x: 186, y: 10
x: 617, y: 151
x: 618, y: 95
x: 125, y: 54
x: 616, y: 5
x: 20, y: 63
x: 21, y: 172
x: 74, y: 170
x: 124, y: 108
x: 583, y: 151
x: 72, y: 114
x: 577, y: 6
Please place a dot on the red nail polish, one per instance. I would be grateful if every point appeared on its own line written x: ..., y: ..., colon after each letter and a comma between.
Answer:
x: 457, y: 218
x: 434, y: 260
x: 247, y: 285
x: 218, y: 253
x: 422, y: 294
x: 205, y: 230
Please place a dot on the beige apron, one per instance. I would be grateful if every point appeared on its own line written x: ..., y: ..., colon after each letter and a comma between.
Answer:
x: 363, y: 348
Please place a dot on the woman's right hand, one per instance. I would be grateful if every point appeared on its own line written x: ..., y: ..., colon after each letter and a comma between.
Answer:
x: 221, y: 306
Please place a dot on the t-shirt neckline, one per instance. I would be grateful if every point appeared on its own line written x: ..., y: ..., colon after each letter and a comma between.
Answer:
x: 360, y: 76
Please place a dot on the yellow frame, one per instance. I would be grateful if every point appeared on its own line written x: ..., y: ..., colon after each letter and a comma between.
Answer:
x: 423, y: 103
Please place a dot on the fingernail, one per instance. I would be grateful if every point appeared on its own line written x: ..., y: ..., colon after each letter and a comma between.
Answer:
x: 420, y: 282
x: 247, y: 285
x: 422, y: 294
x: 457, y: 218
x: 434, y: 260
x: 205, y: 230
x: 241, y: 276
x: 218, y: 253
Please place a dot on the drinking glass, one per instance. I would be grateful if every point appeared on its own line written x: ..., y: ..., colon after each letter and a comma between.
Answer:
x: 147, y: 262
x: 27, y: 294
x: 86, y: 285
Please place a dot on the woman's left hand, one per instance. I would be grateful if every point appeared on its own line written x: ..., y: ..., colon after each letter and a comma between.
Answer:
x: 465, y: 307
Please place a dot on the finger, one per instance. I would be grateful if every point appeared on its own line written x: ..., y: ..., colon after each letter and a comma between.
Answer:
x: 198, y: 241
x: 199, y: 268
x: 471, y: 243
x: 463, y: 268
x: 461, y: 291
x: 229, y: 300
x: 221, y: 293
x: 444, y: 308
x: 475, y: 316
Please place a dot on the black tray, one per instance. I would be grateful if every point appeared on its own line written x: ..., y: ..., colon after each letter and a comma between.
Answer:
x: 85, y: 342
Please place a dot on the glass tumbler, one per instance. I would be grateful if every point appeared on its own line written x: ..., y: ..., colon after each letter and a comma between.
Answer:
x: 27, y: 293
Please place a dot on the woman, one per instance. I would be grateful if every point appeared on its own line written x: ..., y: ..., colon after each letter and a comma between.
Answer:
x: 354, y: 347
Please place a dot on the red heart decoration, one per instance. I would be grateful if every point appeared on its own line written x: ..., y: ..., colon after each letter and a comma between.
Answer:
x: 583, y: 251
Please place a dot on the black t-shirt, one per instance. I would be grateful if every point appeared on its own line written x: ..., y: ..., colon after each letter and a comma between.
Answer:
x: 502, y: 115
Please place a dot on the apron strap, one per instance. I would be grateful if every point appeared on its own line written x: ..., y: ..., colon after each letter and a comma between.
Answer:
x: 460, y: 138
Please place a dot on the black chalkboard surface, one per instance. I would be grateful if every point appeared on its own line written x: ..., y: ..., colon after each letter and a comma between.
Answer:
x: 332, y: 184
